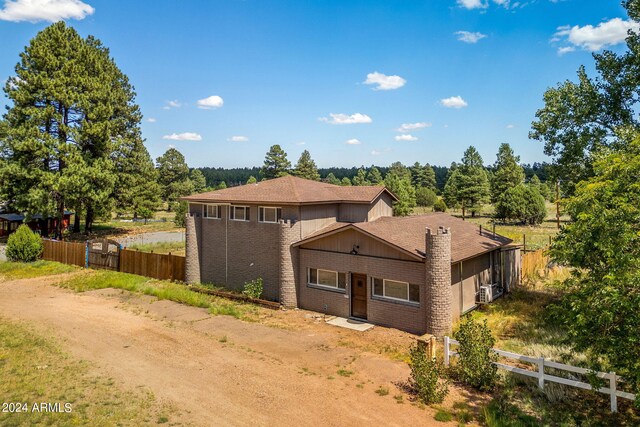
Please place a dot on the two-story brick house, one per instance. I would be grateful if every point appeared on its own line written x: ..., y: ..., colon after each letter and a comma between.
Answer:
x: 339, y: 250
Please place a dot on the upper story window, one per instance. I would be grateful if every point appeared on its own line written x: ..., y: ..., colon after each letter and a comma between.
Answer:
x: 267, y: 214
x: 212, y: 211
x: 396, y: 290
x: 239, y: 213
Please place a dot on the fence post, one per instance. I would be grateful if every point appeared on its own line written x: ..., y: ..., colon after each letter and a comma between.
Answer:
x: 541, y: 373
x: 446, y: 351
x: 86, y: 254
x: 612, y: 390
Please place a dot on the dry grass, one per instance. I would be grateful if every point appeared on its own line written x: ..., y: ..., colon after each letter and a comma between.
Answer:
x: 174, y: 248
x: 20, y: 270
x: 34, y: 369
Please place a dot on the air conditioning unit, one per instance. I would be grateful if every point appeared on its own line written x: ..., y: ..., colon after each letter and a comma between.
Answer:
x: 486, y: 294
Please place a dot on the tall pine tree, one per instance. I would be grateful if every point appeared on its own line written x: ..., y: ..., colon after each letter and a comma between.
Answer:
x: 276, y: 163
x: 173, y: 176
x: 508, y: 173
x: 306, y: 168
x: 468, y: 184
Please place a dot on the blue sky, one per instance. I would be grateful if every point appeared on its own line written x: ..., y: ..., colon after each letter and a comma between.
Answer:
x: 458, y: 72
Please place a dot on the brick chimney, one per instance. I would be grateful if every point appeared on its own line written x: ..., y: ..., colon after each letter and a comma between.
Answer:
x: 438, y: 281
x: 289, y: 234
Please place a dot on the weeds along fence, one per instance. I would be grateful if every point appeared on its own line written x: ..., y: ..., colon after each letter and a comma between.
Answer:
x: 157, y: 266
x: 540, y: 365
x: 532, y: 262
x: 65, y: 252
x: 148, y: 264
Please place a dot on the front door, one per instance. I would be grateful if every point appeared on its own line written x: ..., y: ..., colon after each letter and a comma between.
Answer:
x: 359, y: 295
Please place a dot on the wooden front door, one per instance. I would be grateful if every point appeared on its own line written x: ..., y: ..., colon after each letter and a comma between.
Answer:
x: 359, y: 295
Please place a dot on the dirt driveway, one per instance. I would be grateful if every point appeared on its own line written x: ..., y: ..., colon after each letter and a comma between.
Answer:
x: 218, y: 370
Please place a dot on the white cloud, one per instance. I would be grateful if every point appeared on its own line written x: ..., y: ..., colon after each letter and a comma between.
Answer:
x: 44, y: 10
x: 405, y: 127
x: 210, y: 102
x: 473, y: 4
x: 384, y: 82
x: 353, y: 141
x: 185, y: 136
x: 238, y: 138
x: 301, y: 143
x: 510, y: 126
x: 592, y: 38
x: 566, y: 49
x: 375, y: 153
x: 151, y: 120
x: 405, y: 137
x: 469, y: 37
x: 172, y: 104
x: 454, y: 102
x: 345, y: 119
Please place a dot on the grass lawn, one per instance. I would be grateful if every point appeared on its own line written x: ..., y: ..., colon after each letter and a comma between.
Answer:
x: 175, y: 248
x: 121, y: 226
x: 34, y: 369
x: 161, y: 289
x: 20, y: 270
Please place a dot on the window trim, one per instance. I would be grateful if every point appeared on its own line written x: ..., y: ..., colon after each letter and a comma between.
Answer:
x: 247, y: 209
x: 335, y: 288
x: 204, y: 210
x: 392, y: 299
x: 261, y: 213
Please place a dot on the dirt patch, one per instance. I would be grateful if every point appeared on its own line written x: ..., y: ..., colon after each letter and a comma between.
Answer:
x: 219, y: 370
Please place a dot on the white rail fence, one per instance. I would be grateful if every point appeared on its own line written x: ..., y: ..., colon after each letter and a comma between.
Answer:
x: 539, y: 373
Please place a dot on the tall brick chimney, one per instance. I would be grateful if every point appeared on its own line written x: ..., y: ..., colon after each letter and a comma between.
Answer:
x: 289, y: 234
x: 438, y: 281
x: 192, y: 252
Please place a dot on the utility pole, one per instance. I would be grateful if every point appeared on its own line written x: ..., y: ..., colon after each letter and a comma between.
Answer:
x: 558, y: 202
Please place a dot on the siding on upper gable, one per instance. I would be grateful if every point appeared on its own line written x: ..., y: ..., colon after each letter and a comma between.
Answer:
x: 316, y: 217
x: 382, y: 206
x: 344, y: 242
x: 353, y: 212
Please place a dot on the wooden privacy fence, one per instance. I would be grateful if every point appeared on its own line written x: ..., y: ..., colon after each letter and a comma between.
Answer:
x: 158, y: 266
x: 541, y: 363
x: 65, y: 252
x: 532, y: 262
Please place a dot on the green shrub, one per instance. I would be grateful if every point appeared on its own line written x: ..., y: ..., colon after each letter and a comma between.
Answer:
x: 253, y: 289
x: 145, y: 213
x: 426, y: 197
x: 522, y: 203
x: 427, y: 379
x: 24, y: 245
x: 475, y: 365
x: 181, y: 212
x: 440, y: 206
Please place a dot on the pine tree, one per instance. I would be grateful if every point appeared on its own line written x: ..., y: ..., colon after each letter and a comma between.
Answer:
x: 400, y: 184
x: 345, y: 182
x: 173, y: 176
x: 360, y: 178
x: 252, y: 180
x: 508, y: 173
x: 374, y: 176
x: 468, y: 184
x: 198, y: 181
x: 306, y: 167
x: 275, y: 163
x: 72, y: 108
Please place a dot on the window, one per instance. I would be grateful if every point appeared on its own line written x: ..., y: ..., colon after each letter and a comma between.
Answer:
x: 269, y: 214
x: 392, y: 289
x: 239, y: 213
x: 212, y: 211
x: 328, y: 278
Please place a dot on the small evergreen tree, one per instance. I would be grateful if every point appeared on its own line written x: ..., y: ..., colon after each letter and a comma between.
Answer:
x: 468, y: 184
x: 440, y: 206
x: 221, y: 186
x: 331, y: 179
x: 306, y: 167
x: 404, y: 191
x: 425, y: 197
x: 508, y: 173
x: 275, y: 163
x: 252, y: 180
x: 360, y: 178
x: 198, y: 181
x: 24, y: 245
x: 181, y: 212
x: 173, y: 176
x: 346, y: 182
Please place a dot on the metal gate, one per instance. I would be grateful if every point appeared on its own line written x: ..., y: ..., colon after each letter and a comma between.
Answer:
x: 103, y: 253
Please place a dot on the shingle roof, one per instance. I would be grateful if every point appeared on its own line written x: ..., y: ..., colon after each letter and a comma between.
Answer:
x: 408, y: 234
x: 291, y: 190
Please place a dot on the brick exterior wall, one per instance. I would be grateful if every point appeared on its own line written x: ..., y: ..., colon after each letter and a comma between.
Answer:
x: 438, y: 282
x: 405, y: 316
